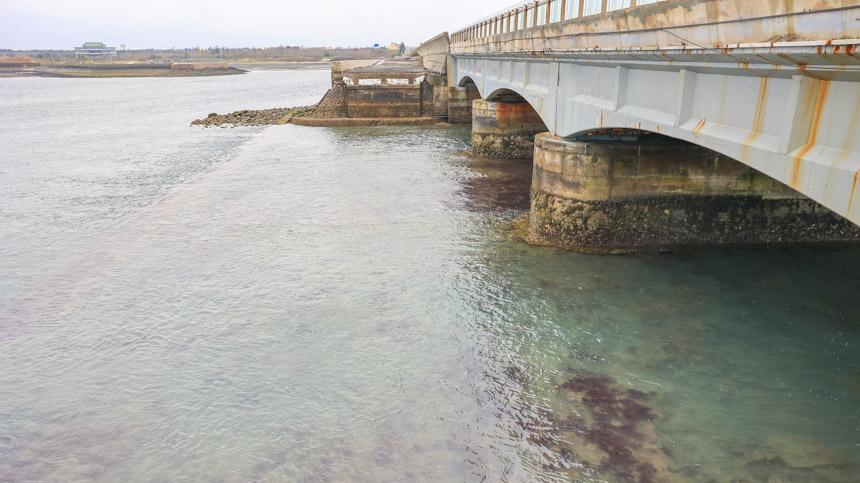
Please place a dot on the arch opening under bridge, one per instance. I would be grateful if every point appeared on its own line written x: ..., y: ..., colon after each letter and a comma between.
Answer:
x: 504, y: 125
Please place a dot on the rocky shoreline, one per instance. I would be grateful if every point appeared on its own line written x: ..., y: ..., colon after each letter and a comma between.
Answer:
x: 314, y: 116
x: 265, y: 117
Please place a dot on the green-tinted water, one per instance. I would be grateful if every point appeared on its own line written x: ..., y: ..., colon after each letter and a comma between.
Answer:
x: 348, y: 305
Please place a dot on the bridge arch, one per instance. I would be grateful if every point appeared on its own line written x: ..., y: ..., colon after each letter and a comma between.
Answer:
x: 505, y: 95
x: 627, y: 188
x: 655, y: 137
x: 504, y: 125
x: 728, y: 152
x: 761, y: 181
x: 512, y: 96
x: 468, y: 82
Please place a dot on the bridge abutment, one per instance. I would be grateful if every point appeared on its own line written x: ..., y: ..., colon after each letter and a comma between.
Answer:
x: 628, y: 192
x: 504, y: 130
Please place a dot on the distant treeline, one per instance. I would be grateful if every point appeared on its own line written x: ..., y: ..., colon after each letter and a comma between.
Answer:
x: 219, y: 54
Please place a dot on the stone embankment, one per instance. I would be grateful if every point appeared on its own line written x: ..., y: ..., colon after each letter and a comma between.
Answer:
x: 265, y: 117
x: 302, y: 116
x: 363, y: 93
x: 332, y: 111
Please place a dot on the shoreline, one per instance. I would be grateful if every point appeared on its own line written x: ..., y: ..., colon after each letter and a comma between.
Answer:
x: 149, y: 69
x: 365, y: 121
x: 305, y: 116
x: 262, y: 117
x: 103, y: 71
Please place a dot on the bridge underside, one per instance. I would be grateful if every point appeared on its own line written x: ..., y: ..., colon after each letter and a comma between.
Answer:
x: 798, y: 125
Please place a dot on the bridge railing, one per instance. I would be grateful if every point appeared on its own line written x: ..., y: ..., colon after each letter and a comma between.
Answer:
x: 536, y: 13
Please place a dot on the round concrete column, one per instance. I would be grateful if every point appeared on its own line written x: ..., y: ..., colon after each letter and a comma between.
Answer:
x: 654, y: 193
x: 504, y: 130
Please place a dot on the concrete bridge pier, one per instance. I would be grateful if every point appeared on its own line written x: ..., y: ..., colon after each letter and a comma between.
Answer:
x: 629, y: 191
x: 460, y: 101
x: 505, y: 129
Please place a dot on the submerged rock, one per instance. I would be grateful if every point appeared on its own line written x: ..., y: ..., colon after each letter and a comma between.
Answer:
x: 613, y: 429
x: 604, y: 431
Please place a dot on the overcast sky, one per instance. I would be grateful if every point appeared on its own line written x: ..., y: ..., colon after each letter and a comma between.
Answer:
x: 56, y: 24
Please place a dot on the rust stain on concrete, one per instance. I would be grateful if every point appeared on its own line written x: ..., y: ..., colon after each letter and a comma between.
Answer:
x: 758, y: 121
x: 854, y: 181
x: 812, y: 138
x: 852, y: 141
x: 513, y: 112
x: 795, y: 166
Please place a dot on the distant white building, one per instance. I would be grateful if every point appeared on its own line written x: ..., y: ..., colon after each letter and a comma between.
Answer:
x: 95, y: 50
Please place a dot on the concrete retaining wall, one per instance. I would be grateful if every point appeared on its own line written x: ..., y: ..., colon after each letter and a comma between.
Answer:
x: 384, y: 101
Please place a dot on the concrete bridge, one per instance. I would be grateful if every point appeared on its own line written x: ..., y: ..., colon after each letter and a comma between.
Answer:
x: 769, y: 88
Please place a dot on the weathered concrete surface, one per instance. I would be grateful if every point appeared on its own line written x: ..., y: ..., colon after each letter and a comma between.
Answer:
x: 504, y: 130
x: 354, y: 121
x: 384, y: 101
x: 341, y: 66
x: 440, y: 102
x: 669, y: 23
x: 438, y: 84
x: 390, y: 89
x: 653, y: 194
x: 460, y: 101
x: 774, y: 85
x: 434, y: 53
x: 389, y: 72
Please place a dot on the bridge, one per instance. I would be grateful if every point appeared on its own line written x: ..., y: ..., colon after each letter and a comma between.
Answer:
x: 761, y: 99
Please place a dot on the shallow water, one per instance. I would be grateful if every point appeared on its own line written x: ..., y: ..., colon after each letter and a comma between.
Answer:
x: 303, y: 304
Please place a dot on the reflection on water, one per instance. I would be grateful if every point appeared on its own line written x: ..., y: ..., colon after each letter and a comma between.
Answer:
x: 346, y: 305
x: 497, y: 184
